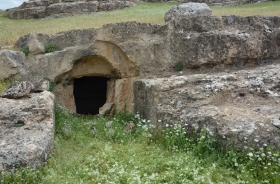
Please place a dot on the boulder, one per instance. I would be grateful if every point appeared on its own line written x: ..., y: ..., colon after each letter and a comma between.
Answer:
x: 187, y: 10
x: 12, y: 64
x: 25, y: 87
x: 26, y: 131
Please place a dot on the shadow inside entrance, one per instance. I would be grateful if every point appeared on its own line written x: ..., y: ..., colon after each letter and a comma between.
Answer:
x: 90, y: 94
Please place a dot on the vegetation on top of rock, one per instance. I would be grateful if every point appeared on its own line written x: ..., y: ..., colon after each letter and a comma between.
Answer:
x: 102, y: 150
x: 25, y: 50
x: 51, y: 48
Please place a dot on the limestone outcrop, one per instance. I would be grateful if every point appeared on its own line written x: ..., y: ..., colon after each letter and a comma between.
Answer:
x: 38, y: 9
x: 238, y: 106
x: 214, y: 2
x: 26, y: 131
x: 229, y: 83
x: 12, y: 64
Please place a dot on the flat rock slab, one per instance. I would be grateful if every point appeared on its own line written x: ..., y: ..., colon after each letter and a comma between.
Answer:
x: 242, y: 107
x: 26, y: 131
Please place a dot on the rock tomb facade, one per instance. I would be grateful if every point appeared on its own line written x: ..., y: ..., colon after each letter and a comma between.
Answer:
x: 230, y: 81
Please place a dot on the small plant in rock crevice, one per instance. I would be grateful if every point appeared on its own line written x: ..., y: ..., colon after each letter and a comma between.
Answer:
x: 51, y: 88
x: 179, y: 67
x: 51, y: 48
x: 25, y: 50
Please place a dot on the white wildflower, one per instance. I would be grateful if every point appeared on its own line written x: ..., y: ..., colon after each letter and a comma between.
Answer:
x: 250, y: 154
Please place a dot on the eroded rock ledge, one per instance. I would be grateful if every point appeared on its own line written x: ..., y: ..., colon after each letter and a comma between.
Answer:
x: 241, y: 106
x: 26, y: 131
x: 38, y: 9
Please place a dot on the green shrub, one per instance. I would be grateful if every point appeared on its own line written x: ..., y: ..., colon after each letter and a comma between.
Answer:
x: 51, y: 48
x: 25, y: 50
x: 179, y: 66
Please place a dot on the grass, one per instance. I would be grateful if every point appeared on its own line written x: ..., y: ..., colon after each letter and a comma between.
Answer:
x: 271, y: 8
x: 51, y: 48
x: 89, y: 151
x: 145, y: 12
x: 153, y: 13
x: 4, y: 84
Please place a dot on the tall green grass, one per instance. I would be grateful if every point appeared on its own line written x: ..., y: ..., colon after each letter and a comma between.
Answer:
x: 99, y: 150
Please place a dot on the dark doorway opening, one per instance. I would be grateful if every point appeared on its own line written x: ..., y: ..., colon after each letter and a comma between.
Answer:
x: 90, y: 94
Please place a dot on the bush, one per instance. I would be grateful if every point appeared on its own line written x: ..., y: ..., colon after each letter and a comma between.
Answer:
x: 25, y: 50
x: 51, y: 48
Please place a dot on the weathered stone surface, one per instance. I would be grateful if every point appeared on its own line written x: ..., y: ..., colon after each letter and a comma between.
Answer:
x: 238, y: 106
x: 26, y: 131
x: 34, y: 46
x: 197, y: 42
x: 106, y: 109
x: 52, y: 9
x: 214, y: 2
x: 187, y: 10
x: 25, y: 87
x: 12, y: 64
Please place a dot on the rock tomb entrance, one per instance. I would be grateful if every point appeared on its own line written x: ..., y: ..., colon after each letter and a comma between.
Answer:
x: 90, y: 94
x: 98, y: 84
